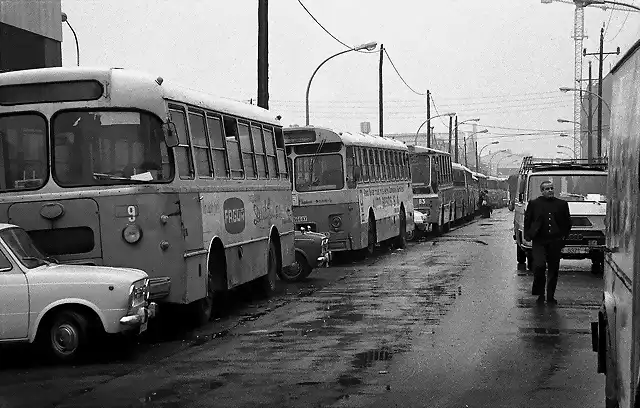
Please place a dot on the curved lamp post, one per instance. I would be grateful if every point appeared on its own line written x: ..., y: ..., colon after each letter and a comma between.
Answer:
x: 563, y: 89
x: 568, y: 148
x: 66, y: 20
x: 368, y: 46
x: 480, y: 153
x: 493, y: 155
x: 464, y: 141
x: 502, y: 158
x: 563, y: 152
x: 415, y: 141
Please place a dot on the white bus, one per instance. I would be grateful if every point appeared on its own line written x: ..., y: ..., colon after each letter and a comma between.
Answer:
x: 354, y: 188
x: 112, y: 167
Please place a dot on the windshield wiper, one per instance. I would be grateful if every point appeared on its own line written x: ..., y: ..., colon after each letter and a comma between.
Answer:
x: 102, y: 176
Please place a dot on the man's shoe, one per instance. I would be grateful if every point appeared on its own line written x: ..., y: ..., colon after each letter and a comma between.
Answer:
x: 552, y: 301
x: 540, y: 300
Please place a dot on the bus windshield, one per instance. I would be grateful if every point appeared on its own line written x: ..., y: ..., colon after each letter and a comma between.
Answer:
x: 318, y: 173
x: 109, y: 147
x: 571, y: 187
x: 23, y: 152
x: 420, y: 170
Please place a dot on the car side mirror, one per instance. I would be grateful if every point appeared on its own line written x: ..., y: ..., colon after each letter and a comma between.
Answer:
x: 170, y: 134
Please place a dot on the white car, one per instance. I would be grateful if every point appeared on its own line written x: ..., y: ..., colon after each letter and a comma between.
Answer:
x: 420, y: 224
x: 62, y: 306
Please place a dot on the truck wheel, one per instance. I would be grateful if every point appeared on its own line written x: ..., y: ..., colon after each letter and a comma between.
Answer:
x: 521, y: 255
x: 66, y: 336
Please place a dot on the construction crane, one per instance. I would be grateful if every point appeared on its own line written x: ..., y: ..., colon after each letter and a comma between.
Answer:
x: 578, y: 35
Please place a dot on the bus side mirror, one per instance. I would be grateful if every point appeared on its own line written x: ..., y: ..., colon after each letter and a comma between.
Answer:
x: 170, y: 134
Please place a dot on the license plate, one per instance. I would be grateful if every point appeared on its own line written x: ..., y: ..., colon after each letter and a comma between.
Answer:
x: 301, y: 218
x: 575, y: 250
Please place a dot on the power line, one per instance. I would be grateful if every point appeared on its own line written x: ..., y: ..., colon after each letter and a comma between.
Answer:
x: 621, y: 27
x: 398, y: 72
x: 328, y: 32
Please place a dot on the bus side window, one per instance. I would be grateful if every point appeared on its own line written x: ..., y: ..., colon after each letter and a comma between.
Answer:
x: 406, y: 166
x: 368, y: 160
x: 282, y: 166
x: 183, y: 149
x: 269, y: 144
x: 200, y: 144
x: 291, y: 172
x: 233, y: 147
x: 378, y: 162
x: 350, y: 165
x: 247, y: 150
x: 218, y: 148
x: 396, y: 164
x: 258, y: 148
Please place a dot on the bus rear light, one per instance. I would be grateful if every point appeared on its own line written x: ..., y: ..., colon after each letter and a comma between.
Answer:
x: 132, y: 233
x: 336, y: 222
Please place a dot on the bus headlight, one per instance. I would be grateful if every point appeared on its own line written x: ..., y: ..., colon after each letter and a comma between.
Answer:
x: 336, y: 222
x: 132, y: 233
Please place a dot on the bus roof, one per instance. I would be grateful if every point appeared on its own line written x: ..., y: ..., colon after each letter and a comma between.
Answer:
x: 122, y: 83
x: 348, y: 138
x: 461, y: 167
x: 426, y: 150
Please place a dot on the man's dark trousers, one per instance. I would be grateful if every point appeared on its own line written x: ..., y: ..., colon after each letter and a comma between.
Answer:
x: 546, y: 253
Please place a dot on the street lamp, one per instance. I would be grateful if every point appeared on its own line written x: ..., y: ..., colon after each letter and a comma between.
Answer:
x: 502, y: 158
x: 568, y: 148
x: 493, y: 155
x: 370, y: 46
x: 464, y: 141
x: 567, y: 121
x: 481, y: 150
x: 564, y: 89
x: 615, y: 3
x: 415, y: 141
x: 66, y: 20
x: 563, y: 152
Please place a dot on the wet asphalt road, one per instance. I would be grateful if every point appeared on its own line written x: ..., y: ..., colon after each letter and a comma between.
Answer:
x: 448, y: 322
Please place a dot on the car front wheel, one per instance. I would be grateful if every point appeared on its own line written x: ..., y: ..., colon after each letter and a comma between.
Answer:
x: 66, y: 336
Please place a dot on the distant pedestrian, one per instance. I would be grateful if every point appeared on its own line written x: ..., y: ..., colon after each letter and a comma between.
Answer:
x: 547, y: 223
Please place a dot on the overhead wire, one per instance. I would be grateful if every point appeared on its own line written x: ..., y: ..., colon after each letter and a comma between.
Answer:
x: 400, y: 76
x: 328, y: 32
x: 623, y: 24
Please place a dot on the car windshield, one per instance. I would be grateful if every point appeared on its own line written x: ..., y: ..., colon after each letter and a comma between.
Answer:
x: 572, y: 187
x: 318, y: 173
x: 23, y: 247
x: 23, y: 152
x: 109, y: 147
x: 420, y: 169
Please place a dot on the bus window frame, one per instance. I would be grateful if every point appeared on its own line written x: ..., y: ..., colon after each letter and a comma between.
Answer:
x: 48, y: 147
x: 258, y: 126
x: 267, y: 129
x: 232, y: 120
x: 225, y: 154
x: 202, y: 115
x: 190, y: 160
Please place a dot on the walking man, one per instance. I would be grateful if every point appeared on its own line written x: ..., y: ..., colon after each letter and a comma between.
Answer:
x: 547, y: 223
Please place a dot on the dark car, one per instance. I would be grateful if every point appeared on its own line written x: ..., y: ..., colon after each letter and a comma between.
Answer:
x: 312, y: 251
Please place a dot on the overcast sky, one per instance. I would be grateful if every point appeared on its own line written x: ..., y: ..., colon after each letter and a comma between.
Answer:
x: 499, y: 60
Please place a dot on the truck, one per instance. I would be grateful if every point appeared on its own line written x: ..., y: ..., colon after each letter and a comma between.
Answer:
x: 580, y: 182
x: 615, y: 334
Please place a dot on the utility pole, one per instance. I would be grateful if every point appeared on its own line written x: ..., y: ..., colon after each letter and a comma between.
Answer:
x: 450, y: 132
x: 263, y: 54
x: 477, y: 157
x: 589, y: 119
x: 464, y: 140
x: 380, y: 103
x: 600, y: 55
x: 456, y: 155
x: 428, y: 118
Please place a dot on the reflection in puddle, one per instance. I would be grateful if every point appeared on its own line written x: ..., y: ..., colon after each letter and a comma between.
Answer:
x: 367, y: 358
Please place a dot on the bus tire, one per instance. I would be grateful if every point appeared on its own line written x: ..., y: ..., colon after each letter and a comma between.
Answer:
x: 371, y: 236
x: 401, y: 240
x: 202, y: 309
x: 597, y: 264
x: 435, y: 228
x: 267, y: 283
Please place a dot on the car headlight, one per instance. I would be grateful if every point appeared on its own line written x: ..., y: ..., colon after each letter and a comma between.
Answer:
x: 138, y: 294
x: 132, y: 233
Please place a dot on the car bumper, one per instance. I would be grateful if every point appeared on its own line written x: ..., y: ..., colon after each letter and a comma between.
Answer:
x: 141, y: 317
x: 323, y: 260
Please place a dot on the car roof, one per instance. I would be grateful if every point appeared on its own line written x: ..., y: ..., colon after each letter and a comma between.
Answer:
x: 4, y: 226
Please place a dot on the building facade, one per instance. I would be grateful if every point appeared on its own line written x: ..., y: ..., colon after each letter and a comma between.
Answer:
x: 30, y: 34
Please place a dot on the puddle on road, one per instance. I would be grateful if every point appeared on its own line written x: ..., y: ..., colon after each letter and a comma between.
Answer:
x: 348, y: 380
x: 368, y: 358
x: 552, y: 331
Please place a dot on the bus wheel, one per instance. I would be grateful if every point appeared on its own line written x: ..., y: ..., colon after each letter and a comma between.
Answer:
x: 597, y: 264
x: 435, y: 228
x: 203, y: 308
x: 297, y: 273
x: 371, y: 241
x: 268, y: 282
x: 401, y: 241
x: 411, y: 235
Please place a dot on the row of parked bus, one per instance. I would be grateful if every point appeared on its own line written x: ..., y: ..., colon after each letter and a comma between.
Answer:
x: 112, y: 167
